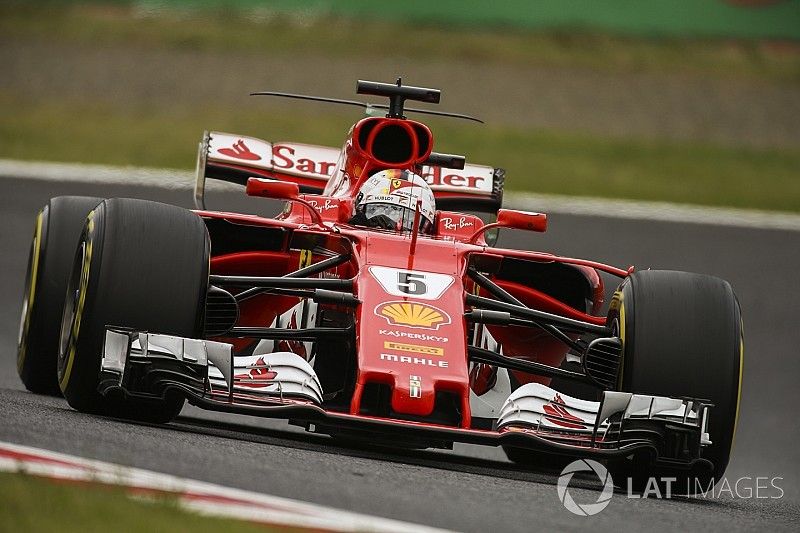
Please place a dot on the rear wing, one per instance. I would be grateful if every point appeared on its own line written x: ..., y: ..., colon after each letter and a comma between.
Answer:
x: 235, y: 158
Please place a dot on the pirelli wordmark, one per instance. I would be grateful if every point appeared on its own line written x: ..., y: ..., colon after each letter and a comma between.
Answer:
x: 412, y: 348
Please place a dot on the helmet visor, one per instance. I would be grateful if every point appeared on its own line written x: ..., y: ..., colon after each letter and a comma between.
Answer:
x: 403, y: 217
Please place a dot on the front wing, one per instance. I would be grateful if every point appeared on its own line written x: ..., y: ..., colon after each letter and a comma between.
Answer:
x: 146, y: 365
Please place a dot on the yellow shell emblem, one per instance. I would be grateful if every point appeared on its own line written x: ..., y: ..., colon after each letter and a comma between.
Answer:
x: 412, y: 314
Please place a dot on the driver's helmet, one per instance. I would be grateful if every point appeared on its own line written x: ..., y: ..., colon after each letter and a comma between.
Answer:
x: 394, y: 193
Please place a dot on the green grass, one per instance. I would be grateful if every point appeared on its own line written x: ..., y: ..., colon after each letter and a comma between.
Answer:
x: 165, y: 133
x: 345, y: 37
x: 537, y: 161
x: 683, y: 172
x: 34, y: 504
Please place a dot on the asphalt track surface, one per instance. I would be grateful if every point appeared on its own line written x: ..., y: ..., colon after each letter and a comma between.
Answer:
x: 470, y: 489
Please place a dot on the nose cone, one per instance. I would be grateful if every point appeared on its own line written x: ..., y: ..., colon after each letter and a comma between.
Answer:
x: 410, y: 328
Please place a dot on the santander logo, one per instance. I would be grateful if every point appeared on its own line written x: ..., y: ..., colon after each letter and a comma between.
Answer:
x: 239, y: 150
x: 319, y: 162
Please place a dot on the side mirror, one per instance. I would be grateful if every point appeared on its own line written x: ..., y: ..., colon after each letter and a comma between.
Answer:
x: 282, y: 190
x: 511, y: 218
x: 277, y: 190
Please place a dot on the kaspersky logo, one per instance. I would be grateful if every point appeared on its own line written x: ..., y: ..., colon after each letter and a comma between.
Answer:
x: 412, y: 314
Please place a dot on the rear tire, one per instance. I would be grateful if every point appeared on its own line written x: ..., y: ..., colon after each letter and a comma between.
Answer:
x: 682, y: 337
x: 142, y: 265
x: 56, y: 233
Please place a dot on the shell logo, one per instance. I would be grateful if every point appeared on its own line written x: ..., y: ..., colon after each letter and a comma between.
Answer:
x: 414, y: 315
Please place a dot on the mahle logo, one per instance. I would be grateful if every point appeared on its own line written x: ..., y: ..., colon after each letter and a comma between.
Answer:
x: 585, y: 509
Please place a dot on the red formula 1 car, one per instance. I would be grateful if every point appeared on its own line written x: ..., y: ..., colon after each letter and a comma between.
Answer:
x: 366, y: 310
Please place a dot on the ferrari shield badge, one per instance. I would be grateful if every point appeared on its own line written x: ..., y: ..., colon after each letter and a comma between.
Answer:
x: 415, y: 387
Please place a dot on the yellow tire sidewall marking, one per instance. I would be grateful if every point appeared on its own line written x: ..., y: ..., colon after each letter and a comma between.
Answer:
x: 78, y: 313
x: 305, y: 258
x: 37, y: 245
x: 617, y: 303
x: 621, y: 340
x: 741, y: 370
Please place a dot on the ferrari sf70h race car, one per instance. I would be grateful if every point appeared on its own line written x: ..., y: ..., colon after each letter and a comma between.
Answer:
x: 376, y: 307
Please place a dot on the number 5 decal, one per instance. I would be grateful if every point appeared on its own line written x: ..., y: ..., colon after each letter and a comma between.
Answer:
x: 411, y: 283
x: 423, y: 285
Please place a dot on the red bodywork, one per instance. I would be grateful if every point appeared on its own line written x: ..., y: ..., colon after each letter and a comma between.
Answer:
x: 415, y: 346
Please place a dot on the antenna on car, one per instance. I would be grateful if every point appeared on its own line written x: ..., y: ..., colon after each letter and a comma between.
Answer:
x: 396, y: 92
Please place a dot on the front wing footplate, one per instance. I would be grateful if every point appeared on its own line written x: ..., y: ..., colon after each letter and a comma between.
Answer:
x: 146, y: 364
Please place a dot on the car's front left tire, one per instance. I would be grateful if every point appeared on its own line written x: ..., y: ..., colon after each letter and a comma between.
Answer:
x: 682, y: 337
x: 56, y: 232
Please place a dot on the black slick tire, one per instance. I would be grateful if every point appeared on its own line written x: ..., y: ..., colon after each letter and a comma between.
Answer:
x: 682, y: 337
x: 141, y: 265
x: 57, y: 229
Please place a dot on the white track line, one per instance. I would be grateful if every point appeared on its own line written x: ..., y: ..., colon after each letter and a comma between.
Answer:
x: 196, y: 496
x: 660, y: 211
x: 571, y: 205
x: 99, y: 174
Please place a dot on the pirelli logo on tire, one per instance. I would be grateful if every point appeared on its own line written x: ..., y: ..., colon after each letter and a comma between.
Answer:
x: 413, y: 348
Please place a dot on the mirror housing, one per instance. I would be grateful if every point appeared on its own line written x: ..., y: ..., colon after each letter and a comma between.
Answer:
x: 511, y: 218
x: 526, y: 220
x: 277, y: 190
x: 282, y: 190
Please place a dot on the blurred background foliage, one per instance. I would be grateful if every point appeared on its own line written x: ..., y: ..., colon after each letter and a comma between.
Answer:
x: 693, y: 101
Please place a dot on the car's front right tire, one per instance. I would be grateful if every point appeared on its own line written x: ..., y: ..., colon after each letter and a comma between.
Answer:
x: 141, y: 265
